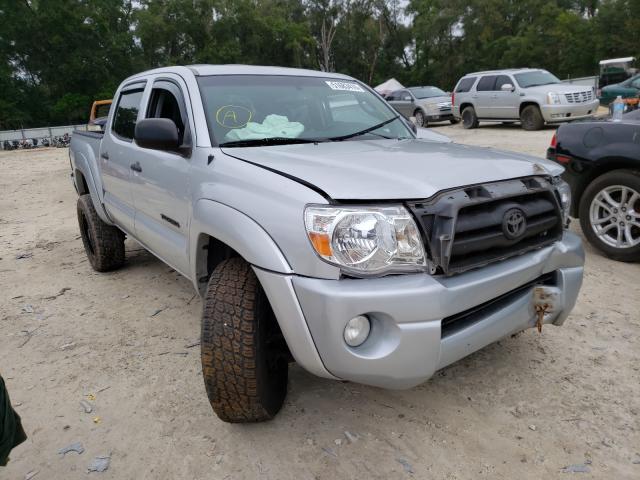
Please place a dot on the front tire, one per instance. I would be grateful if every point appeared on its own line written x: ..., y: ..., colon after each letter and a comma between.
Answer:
x: 610, y: 214
x: 244, y: 368
x: 103, y: 243
x: 469, y: 118
x: 531, y: 118
x: 421, y: 120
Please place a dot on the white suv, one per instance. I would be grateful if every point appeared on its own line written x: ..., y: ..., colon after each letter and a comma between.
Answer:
x: 530, y: 96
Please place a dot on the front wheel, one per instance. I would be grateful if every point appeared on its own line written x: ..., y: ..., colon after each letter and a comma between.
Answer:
x: 421, y: 121
x: 610, y: 214
x: 531, y: 118
x: 244, y: 363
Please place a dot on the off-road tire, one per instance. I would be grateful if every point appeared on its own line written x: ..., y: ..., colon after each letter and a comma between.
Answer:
x: 103, y: 243
x: 421, y: 119
x: 244, y: 382
x: 531, y: 118
x: 469, y: 118
x: 628, y: 178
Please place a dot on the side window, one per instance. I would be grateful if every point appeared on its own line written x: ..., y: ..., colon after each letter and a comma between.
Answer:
x: 486, y: 83
x: 502, y: 80
x: 405, y: 96
x: 126, y: 114
x: 166, y: 102
x: 465, y: 84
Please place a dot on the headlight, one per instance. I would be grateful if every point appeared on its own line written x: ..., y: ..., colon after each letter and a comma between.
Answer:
x: 553, y: 98
x: 564, y: 194
x: 366, y: 241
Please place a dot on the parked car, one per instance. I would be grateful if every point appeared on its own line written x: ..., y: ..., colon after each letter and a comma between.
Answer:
x: 425, y: 104
x: 630, y: 88
x: 602, y: 160
x: 616, y: 70
x: 318, y: 227
x: 531, y: 96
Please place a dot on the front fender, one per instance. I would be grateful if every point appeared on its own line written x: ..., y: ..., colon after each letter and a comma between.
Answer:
x: 238, y: 231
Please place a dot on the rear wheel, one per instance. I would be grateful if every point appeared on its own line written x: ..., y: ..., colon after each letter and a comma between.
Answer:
x: 244, y: 357
x: 103, y: 243
x: 610, y: 214
x: 531, y: 118
x: 469, y: 118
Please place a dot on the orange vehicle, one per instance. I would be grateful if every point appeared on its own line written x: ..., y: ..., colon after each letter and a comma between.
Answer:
x: 99, y: 113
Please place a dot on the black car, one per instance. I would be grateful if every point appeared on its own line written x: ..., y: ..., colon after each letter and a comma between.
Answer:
x: 602, y: 161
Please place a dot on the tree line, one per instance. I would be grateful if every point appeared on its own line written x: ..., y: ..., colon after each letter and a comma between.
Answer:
x: 57, y: 56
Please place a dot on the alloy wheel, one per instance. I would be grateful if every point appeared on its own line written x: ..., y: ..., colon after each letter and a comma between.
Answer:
x: 614, y: 216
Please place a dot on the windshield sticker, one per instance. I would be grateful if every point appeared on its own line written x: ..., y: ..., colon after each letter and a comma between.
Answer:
x: 233, y: 116
x: 344, y: 86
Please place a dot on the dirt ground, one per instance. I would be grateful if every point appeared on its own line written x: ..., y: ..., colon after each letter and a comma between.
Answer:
x: 525, y: 407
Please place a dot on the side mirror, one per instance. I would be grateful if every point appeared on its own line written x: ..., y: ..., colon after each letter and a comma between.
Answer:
x: 507, y: 87
x: 407, y: 98
x: 157, y: 134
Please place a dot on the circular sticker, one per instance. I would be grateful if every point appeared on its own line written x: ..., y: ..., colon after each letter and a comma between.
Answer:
x: 233, y: 116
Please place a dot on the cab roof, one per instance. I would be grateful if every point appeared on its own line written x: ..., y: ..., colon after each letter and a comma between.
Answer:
x: 205, y: 70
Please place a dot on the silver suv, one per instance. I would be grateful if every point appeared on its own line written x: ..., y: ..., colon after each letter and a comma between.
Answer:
x: 533, y: 97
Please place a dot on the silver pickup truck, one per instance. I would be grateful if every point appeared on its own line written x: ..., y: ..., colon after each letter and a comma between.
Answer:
x: 319, y: 227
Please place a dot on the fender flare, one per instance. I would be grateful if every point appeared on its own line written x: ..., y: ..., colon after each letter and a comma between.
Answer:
x: 238, y: 231
x: 81, y: 164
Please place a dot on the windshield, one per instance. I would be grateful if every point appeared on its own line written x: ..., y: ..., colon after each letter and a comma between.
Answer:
x: 248, y: 109
x: 535, y: 79
x: 427, y: 92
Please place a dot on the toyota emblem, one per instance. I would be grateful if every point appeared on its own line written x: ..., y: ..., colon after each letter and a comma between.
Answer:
x: 514, y: 223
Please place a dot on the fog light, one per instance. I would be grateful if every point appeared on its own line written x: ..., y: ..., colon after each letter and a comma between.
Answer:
x: 357, y: 330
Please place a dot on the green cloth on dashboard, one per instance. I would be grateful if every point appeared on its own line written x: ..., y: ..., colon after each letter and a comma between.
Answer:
x: 11, y: 431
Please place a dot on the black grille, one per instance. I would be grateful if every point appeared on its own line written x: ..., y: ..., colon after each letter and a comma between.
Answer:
x: 462, y: 320
x: 466, y: 228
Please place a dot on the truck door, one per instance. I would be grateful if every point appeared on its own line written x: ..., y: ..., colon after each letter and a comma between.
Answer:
x: 160, y: 180
x: 116, y: 150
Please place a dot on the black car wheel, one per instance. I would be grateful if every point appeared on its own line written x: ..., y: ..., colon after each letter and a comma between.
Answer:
x: 531, y: 118
x: 469, y: 118
x: 610, y: 214
x: 244, y: 356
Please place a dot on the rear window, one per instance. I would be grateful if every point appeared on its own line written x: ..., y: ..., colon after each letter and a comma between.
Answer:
x: 465, y: 84
x: 126, y: 115
x: 486, y: 83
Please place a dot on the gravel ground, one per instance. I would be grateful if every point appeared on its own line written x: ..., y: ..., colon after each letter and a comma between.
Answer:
x: 525, y: 407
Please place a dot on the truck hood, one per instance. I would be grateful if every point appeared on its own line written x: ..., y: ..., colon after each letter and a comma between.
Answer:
x: 557, y: 88
x: 392, y: 169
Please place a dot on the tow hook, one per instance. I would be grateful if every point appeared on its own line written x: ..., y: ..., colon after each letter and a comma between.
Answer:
x: 546, y: 301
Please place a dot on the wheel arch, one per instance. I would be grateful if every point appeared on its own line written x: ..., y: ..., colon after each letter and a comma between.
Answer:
x: 220, y: 232
x: 526, y: 104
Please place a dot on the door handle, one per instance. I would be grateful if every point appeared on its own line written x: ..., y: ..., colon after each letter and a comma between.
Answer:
x: 104, y: 155
x: 136, y: 167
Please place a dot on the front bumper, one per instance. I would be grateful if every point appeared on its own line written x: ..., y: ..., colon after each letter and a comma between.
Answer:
x: 440, y: 117
x: 406, y: 345
x: 566, y: 112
